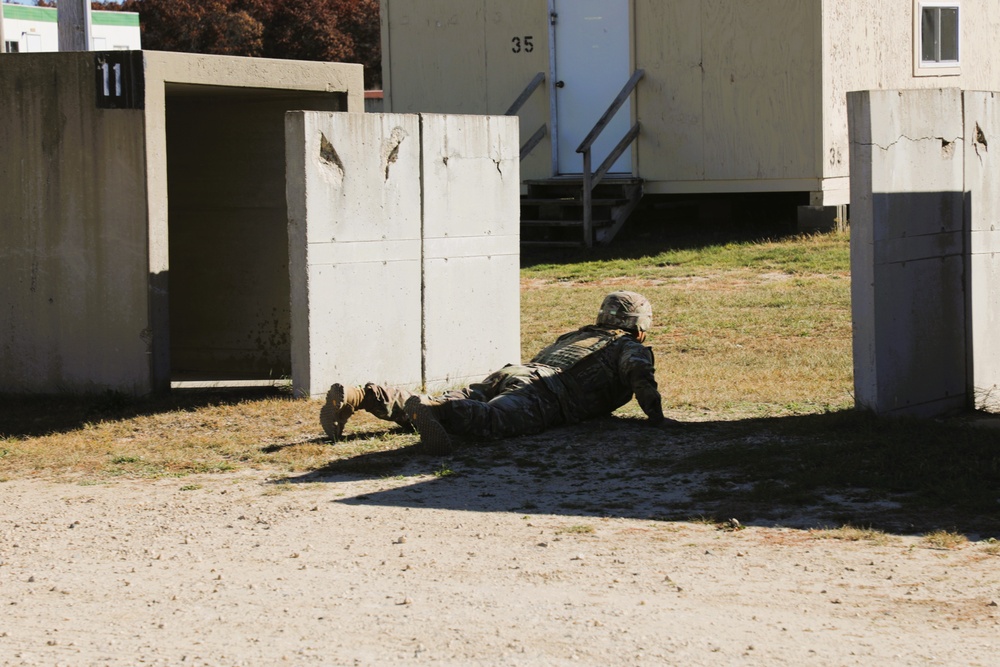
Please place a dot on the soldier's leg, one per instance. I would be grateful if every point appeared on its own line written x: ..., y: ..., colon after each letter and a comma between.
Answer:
x: 342, y: 401
x: 528, y: 409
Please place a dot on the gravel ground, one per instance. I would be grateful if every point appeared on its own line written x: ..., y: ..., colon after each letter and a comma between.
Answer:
x: 341, y: 569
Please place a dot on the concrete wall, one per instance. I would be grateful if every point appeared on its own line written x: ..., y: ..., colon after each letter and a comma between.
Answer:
x: 924, y: 276
x: 74, y: 313
x: 236, y: 188
x: 354, y: 232
x: 471, y: 253
x: 404, y: 237
x: 85, y: 221
x: 982, y: 202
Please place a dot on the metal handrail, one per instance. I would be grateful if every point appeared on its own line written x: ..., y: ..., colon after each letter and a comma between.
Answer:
x: 533, y: 141
x: 525, y: 94
x: 590, y: 180
x: 540, y: 133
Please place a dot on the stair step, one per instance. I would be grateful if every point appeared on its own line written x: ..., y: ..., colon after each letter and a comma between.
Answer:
x: 564, y: 223
x: 578, y: 180
x: 571, y: 201
x: 561, y: 199
x: 553, y: 244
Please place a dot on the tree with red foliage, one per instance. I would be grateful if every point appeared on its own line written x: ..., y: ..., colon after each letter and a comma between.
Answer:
x: 326, y: 30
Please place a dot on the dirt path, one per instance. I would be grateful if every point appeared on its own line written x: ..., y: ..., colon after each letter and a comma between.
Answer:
x: 234, y: 570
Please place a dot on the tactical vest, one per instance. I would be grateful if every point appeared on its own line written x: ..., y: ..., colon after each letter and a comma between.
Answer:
x: 574, y: 346
x: 583, y: 382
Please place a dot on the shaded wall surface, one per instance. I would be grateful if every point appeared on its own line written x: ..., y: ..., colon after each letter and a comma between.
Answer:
x: 86, y: 223
x: 73, y: 235
x: 228, y: 239
x: 923, y: 237
x: 404, y: 248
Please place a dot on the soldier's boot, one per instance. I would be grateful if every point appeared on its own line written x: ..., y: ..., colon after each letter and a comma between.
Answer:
x: 341, y: 402
x: 433, y: 437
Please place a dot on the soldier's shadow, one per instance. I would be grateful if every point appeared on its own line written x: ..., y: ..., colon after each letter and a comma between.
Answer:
x: 808, y: 471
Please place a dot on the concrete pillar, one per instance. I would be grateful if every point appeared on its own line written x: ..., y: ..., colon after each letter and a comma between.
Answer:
x: 74, y: 25
x: 907, y: 251
x: 404, y: 248
x: 982, y: 210
x: 471, y: 246
x: 354, y: 200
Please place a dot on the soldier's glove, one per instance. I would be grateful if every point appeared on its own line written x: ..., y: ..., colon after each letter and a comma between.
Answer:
x: 665, y: 423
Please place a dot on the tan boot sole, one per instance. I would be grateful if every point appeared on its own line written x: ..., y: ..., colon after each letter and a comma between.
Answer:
x: 335, y: 413
x: 432, y: 434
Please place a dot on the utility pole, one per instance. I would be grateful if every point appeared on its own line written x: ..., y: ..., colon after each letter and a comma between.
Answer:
x: 74, y: 25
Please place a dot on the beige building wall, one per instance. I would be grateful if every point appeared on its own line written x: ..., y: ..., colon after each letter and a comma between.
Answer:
x: 457, y: 56
x: 869, y: 45
x: 730, y: 99
x: 738, y: 95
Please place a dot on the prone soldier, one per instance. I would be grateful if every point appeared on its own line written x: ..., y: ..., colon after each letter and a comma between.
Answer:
x: 583, y: 374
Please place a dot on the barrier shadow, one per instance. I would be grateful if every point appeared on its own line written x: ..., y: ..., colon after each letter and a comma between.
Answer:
x: 26, y: 416
x: 814, y: 471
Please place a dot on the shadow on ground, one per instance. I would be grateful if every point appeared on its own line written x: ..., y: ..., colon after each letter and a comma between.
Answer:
x: 813, y: 471
x: 29, y: 416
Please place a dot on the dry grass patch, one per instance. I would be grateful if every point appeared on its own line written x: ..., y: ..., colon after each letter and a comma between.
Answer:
x: 753, y: 351
x: 849, y: 533
x: 944, y: 539
x: 207, y: 433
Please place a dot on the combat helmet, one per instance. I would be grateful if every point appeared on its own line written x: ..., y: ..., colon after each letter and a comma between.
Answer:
x: 626, y: 310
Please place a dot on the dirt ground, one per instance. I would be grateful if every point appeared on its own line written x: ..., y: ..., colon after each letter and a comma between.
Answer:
x: 446, y: 567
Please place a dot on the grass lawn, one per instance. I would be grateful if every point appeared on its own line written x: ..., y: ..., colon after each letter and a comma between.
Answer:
x: 753, y: 349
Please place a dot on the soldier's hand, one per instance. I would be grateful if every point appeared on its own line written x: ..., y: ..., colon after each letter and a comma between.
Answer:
x: 666, y: 424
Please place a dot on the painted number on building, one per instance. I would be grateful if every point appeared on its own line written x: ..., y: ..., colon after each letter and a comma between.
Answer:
x: 120, y: 80
x: 522, y: 44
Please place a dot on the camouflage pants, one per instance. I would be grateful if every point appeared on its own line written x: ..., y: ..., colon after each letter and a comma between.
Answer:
x: 512, y: 401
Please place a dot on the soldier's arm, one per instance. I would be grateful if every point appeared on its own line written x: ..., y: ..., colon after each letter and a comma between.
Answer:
x: 636, y: 367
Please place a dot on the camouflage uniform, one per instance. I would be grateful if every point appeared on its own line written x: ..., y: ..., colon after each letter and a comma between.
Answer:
x: 583, y: 374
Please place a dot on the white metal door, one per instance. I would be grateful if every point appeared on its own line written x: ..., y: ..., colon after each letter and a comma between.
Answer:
x: 592, y: 64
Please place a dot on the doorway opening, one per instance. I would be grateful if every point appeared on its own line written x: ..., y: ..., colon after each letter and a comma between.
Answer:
x: 228, y: 283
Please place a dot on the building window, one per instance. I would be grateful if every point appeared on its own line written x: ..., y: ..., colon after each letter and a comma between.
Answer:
x: 32, y: 42
x: 11, y: 47
x: 936, y: 32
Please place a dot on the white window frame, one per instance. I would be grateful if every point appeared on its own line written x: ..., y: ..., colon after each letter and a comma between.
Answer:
x: 923, y: 67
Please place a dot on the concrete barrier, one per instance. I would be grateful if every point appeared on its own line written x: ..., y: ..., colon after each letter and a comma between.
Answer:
x: 138, y: 199
x: 982, y: 185
x: 924, y: 279
x: 471, y: 246
x: 353, y: 189
x: 405, y: 248
x: 148, y: 238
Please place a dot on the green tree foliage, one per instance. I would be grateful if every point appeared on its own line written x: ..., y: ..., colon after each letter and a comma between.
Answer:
x: 325, y: 30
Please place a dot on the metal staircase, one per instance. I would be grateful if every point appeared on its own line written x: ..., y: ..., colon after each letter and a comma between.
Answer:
x: 567, y: 211
x: 552, y: 211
